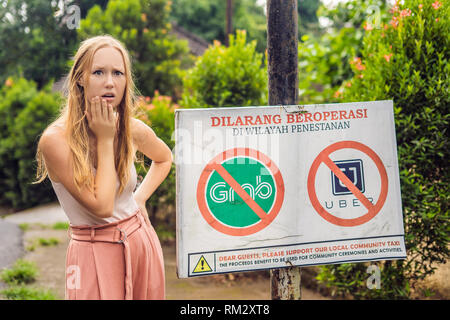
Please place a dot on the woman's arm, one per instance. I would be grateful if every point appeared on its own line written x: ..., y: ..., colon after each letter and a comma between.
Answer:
x: 155, y: 149
x: 106, y: 176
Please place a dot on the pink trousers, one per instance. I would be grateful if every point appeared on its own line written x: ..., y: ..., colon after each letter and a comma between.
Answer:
x: 115, y: 261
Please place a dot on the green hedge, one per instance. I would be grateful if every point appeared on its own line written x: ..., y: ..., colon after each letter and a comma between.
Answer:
x: 24, y: 114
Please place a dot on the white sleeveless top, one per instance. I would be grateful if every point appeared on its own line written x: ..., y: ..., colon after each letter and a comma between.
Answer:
x: 124, y: 204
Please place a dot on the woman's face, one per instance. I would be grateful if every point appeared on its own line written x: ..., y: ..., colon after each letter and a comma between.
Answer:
x: 107, y: 76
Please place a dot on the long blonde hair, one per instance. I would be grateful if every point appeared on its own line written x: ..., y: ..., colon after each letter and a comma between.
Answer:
x: 76, y: 124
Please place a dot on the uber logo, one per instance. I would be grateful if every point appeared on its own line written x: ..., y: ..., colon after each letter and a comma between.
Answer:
x: 353, y: 169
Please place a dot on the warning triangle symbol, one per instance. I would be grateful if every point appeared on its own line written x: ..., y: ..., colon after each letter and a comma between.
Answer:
x: 202, y: 266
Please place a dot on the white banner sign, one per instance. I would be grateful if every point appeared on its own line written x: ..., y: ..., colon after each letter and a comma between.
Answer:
x: 271, y: 187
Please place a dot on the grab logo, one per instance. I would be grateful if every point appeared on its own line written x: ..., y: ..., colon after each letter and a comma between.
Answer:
x: 240, y: 191
x: 219, y: 192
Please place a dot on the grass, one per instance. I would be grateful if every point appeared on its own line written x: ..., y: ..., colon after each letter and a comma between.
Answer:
x: 22, y: 273
x: 56, y: 226
x: 21, y: 276
x: 44, y: 242
x: 60, y: 226
x: 48, y: 241
x: 24, y: 226
x: 22, y: 292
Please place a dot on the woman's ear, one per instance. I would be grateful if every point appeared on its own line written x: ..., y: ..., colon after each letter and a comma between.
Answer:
x: 81, y: 82
x: 80, y: 85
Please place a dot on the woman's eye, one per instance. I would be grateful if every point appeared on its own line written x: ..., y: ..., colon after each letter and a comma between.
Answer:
x: 98, y: 72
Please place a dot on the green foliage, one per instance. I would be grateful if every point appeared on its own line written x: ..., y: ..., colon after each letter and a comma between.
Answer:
x: 354, y: 14
x: 159, y: 114
x: 22, y: 272
x: 46, y: 242
x: 85, y: 5
x: 165, y: 235
x: 34, y: 43
x: 60, y: 226
x: 27, y: 293
x: 24, y: 114
x: 307, y: 16
x: 143, y: 27
x: 207, y: 18
x: 323, y: 66
x: 227, y: 76
x: 407, y: 60
x: 24, y: 226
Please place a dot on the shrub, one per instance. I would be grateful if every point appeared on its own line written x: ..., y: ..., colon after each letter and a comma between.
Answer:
x: 34, y: 40
x: 24, y: 114
x: 407, y: 61
x: 227, y: 76
x: 323, y: 66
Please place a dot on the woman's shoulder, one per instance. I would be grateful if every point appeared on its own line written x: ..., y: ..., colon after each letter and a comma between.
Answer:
x: 140, y: 131
x: 54, y: 148
x: 136, y: 123
x: 53, y: 135
x: 139, y: 127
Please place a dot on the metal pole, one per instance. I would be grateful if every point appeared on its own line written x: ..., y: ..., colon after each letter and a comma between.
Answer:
x: 282, y: 53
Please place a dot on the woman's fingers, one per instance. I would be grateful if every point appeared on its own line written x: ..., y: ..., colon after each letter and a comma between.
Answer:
x: 95, y: 108
x: 110, y: 113
x: 100, y: 107
x: 104, y: 110
x: 107, y: 111
x: 99, y: 110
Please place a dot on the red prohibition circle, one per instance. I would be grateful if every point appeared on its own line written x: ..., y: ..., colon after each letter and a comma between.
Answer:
x: 216, y: 165
x: 373, y: 209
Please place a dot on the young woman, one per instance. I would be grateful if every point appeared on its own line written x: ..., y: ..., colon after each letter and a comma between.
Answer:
x: 88, y: 154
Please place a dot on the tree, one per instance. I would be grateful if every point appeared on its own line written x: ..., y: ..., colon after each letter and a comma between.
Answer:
x: 24, y: 114
x: 143, y: 26
x: 33, y: 43
x: 206, y: 18
x: 86, y: 5
x: 307, y: 16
